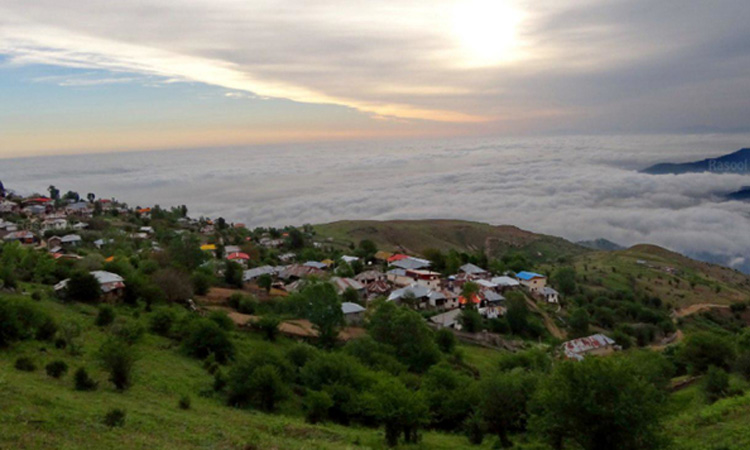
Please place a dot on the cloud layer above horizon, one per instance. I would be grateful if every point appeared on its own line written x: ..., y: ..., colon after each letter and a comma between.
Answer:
x: 481, y: 66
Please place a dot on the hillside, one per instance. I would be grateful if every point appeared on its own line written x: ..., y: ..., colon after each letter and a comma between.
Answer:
x: 416, y: 236
x: 674, y: 278
x: 40, y: 412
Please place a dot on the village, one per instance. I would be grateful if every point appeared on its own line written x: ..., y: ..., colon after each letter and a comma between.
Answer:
x: 70, y: 228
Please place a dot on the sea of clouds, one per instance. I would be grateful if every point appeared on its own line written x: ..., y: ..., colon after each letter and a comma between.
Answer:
x: 577, y: 187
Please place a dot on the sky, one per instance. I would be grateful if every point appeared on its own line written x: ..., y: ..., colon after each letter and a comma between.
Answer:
x: 81, y: 76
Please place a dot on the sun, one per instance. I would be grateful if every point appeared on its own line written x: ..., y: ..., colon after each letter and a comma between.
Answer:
x: 487, y: 32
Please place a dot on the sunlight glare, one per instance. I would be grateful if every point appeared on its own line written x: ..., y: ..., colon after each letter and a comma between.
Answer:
x: 487, y: 32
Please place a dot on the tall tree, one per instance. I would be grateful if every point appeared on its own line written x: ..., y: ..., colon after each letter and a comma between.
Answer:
x: 324, y: 311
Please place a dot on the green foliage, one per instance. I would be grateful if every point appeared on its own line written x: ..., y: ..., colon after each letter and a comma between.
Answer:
x: 534, y: 360
x: 407, y: 333
x: 105, y: 316
x: 324, y: 311
x: 259, y: 381
x: 471, y: 320
x: 118, y: 358
x: 399, y: 409
x: 202, y: 282
x: 265, y: 281
x: 475, y: 428
x: 375, y: 355
x: 21, y: 319
x: 705, y: 349
x: 184, y: 402
x: 56, y: 369
x: 742, y: 365
x: 517, y: 314
x: 503, y: 401
x: 83, y: 381
x: 233, y: 274
x: 222, y: 319
x: 598, y: 403
x: 449, y: 395
x: 203, y: 337
x: 115, y: 418
x: 83, y: 287
x: 565, y: 280
x: 317, y: 404
x: 269, y: 325
x: 445, y: 340
x: 579, y: 322
x: 715, y: 384
x: 162, y: 320
x: 127, y: 330
x: 25, y: 364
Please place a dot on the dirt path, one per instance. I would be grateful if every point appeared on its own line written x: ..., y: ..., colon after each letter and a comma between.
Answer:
x: 696, y: 308
x: 549, y: 323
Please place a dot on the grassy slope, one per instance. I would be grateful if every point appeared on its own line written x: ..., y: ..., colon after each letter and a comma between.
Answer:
x: 37, y: 411
x: 694, y: 282
x: 415, y: 236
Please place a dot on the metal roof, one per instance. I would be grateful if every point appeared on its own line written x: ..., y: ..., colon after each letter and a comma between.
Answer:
x: 526, y: 276
x: 351, y: 308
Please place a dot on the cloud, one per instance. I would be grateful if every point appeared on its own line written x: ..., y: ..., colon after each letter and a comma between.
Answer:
x: 566, y: 186
x: 582, y: 64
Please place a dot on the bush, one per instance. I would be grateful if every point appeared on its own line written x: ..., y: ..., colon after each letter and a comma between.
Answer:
x: 269, y: 325
x: 115, y: 417
x: 222, y: 319
x: 105, y: 316
x: 184, y: 402
x: 118, y: 359
x: 445, y: 340
x: 317, y: 405
x: 83, y: 382
x: 83, y: 287
x: 162, y: 320
x: 201, y: 282
x: 716, y: 384
x: 23, y: 319
x: 471, y: 321
x: 263, y: 388
x: 702, y: 350
x: 25, y: 364
x: 56, y: 369
x: 742, y: 365
x: 220, y: 381
x: 247, y: 306
x: 204, y: 337
x: 475, y: 429
x: 130, y: 331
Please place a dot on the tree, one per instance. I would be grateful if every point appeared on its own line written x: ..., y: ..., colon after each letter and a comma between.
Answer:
x: 468, y: 291
x: 175, y: 284
x: 296, y: 239
x: 471, y: 321
x: 259, y: 380
x: 565, y: 279
x: 265, y: 281
x: 233, y: 274
x: 269, y: 325
x: 399, y: 409
x: 598, y: 403
x: 317, y: 405
x: 407, y: 333
x: 204, y: 337
x: 579, y: 322
x: 54, y: 193
x: 503, y: 402
x: 91, y: 197
x: 705, y: 349
x: 450, y: 396
x: 324, y: 311
x: 517, y: 313
x: 716, y: 384
x: 367, y: 249
x: 445, y: 340
x: 84, y: 287
x: 118, y: 359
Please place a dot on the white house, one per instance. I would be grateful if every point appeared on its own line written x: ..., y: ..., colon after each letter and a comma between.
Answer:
x: 534, y: 282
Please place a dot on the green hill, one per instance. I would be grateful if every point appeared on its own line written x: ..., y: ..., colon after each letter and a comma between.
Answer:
x: 416, y: 236
x: 674, y: 278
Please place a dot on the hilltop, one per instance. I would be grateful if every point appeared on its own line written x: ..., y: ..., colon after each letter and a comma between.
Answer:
x: 659, y: 272
x: 416, y: 236
x: 732, y: 163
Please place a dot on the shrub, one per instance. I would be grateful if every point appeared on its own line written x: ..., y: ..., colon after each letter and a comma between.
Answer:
x: 263, y: 388
x: 184, y: 402
x: 115, y: 417
x: 247, y: 306
x: 702, y: 350
x: 317, y: 404
x: 475, y: 429
x: 445, y: 340
x: 300, y: 354
x: 742, y: 365
x: 83, y: 287
x: 46, y: 328
x: 56, y: 369
x: 118, y: 359
x: 36, y: 295
x: 222, y: 319
x: 471, y: 321
x: 105, y: 316
x: 23, y: 319
x: 716, y: 384
x: 25, y: 364
x: 162, y: 320
x: 269, y: 325
x: 130, y: 331
x: 83, y: 381
x: 201, y: 282
x: 220, y: 381
x: 204, y: 337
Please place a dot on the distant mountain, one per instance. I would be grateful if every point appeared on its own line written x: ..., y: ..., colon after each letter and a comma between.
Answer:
x: 601, y: 244
x: 741, y: 195
x: 737, y: 162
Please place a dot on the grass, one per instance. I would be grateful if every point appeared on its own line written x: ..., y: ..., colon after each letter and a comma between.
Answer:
x: 40, y: 412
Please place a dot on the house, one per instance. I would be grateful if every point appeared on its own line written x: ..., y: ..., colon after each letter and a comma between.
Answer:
x: 70, y: 240
x: 80, y: 226
x: 7, y: 206
x: 100, y: 243
x: 532, y: 281
x: 549, y: 295
x: 382, y: 255
x: 147, y: 230
x: 111, y: 284
x: 370, y: 276
x: 342, y: 284
x: 24, y: 237
x: 287, y: 257
x: 316, y: 265
x: 232, y: 249
x: 473, y: 270
x: 492, y: 305
x: 425, y: 278
x: 448, y: 319
x: 7, y: 227
x: 420, y: 295
x: 399, y: 277
x: 354, y: 314
x: 54, y: 224
x: 505, y: 283
x: 378, y: 288
x: 54, y: 242
x: 349, y: 259
x: 79, y: 208
x: 239, y: 257
x: 597, y: 344
x: 297, y: 271
x: 411, y: 263
x: 252, y: 274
